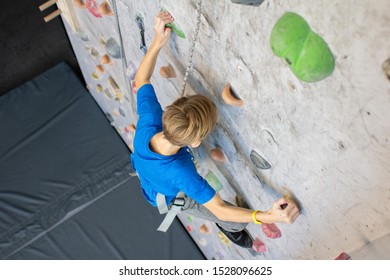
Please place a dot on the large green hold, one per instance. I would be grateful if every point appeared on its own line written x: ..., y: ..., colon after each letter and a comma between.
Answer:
x: 307, y: 54
x: 213, y: 181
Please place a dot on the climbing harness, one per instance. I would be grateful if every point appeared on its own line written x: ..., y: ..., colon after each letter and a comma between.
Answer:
x: 172, y: 211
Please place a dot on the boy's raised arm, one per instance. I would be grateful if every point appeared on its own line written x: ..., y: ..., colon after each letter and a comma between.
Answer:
x: 148, y: 63
x: 277, y: 213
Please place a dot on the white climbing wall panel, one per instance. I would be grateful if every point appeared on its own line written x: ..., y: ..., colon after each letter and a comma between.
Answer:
x: 327, y: 142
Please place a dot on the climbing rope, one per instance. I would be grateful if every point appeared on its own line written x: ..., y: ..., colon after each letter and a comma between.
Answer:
x: 192, y: 48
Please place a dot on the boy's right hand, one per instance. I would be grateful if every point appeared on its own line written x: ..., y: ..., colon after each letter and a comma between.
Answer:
x: 283, y: 211
x: 162, y: 32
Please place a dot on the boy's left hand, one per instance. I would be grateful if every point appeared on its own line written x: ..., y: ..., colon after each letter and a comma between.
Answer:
x: 162, y: 32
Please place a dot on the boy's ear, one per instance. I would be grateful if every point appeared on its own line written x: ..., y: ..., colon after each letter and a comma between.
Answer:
x: 196, y: 144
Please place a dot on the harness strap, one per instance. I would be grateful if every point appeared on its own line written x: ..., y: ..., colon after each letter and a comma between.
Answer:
x: 161, y: 203
x: 176, y: 207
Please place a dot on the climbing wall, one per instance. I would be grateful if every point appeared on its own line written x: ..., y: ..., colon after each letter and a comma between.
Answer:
x: 324, y: 143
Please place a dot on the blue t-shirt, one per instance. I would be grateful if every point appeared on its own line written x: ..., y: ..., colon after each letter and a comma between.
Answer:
x: 158, y: 173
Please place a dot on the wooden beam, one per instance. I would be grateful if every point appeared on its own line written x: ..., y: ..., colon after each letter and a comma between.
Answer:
x: 52, y: 15
x: 47, y: 4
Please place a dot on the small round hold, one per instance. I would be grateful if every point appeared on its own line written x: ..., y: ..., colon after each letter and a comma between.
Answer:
x: 130, y: 128
x: 115, y: 112
x: 102, y: 41
x: 131, y: 71
x: 94, y: 52
x: 217, y: 155
x: 122, y: 112
x: 106, y: 59
x: 100, y: 68
x: 95, y: 76
x: 80, y: 4
x: 202, y: 241
x: 99, y: 88
x: 108, y: 94
x: 204, y: 229
x: 167, y: 71
x: 82, y: 35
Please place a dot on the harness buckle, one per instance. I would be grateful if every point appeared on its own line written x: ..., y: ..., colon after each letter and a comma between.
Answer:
x: 179, y: 201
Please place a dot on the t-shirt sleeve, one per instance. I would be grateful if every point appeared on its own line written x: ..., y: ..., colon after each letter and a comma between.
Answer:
x: 148, y: 108
x: 197, y: 188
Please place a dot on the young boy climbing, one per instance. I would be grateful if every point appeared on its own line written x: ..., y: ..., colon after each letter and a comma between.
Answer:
x: 164, y: 162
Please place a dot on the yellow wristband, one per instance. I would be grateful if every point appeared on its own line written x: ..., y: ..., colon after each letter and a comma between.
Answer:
x: 257, y: 222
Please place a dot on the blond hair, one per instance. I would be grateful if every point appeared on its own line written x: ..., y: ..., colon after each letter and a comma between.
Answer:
x: 189, y: 119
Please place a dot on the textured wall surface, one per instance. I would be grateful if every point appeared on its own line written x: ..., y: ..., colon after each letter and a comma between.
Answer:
x: 327, y: 142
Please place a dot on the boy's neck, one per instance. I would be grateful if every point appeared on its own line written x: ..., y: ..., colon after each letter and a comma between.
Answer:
x: 162, y: 146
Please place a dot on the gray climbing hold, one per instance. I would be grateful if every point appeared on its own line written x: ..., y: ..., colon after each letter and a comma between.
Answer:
x: 131, y: 70
x: 122, y: 111
x: 82, y: 35
x: 386, y: 68
x: 109, y: 117
x: 259, y: 161
x: 248, y: 2
x: 113, y: 49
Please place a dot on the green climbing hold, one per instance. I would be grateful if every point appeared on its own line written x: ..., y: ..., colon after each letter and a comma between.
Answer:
x: 213, y: 181
x: 307, y: 54
x: 175, y: 27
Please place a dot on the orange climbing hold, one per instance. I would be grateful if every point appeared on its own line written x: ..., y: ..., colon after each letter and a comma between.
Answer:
x: 106, y: 59
x: 105, y: 9
x: 167, y: 71
x: 271, y: 231
x: 80, y: 4
x: 217, y: 155
x: 204, y: 229
x: 100, y: 68
x: 130, y: 128
x: 230, y: 97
